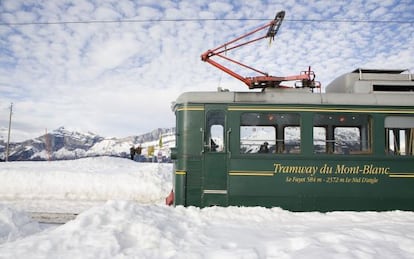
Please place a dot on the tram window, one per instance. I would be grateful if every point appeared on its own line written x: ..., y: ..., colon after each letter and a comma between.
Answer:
x: 214, y: 137
x: 399, y: 133
x: 292, y: 139
x: 341, y: 134
x: 270, y: 133
x: 253, y: 139
x: 217, y: 138
x: 319, y: 139
x: 347, y: 140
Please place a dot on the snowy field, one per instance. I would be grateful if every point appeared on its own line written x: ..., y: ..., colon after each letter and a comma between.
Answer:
x: 122, y: 216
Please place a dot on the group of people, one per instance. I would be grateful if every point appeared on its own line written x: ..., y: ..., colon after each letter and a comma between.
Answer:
x: 135, y: 151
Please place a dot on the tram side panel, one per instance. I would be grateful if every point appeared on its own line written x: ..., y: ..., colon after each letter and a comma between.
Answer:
x: 188, y: 164
x: 303, y: 184
x: 369, y: 179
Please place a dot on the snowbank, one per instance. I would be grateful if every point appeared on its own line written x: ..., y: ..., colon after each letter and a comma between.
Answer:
x: 144, y: 228
x: 90, y: 179
x: 15, y: 224
x: 122, y: 229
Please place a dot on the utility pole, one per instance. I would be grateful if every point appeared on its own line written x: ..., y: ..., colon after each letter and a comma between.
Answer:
x: 47, y: 145
x: 8, y: 137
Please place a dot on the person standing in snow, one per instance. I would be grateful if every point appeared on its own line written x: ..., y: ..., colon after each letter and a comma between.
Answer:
x: 138, y: 151
x: 132, y: 152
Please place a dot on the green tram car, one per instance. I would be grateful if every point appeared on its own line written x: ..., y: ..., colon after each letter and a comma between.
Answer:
x: 350, y: 148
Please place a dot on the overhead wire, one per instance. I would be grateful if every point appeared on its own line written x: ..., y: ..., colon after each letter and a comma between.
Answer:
x: 202, y: 20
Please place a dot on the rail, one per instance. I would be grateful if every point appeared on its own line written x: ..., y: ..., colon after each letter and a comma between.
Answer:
x: 52, y: 217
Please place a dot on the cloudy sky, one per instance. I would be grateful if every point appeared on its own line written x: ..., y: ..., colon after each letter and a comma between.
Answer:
x: 114, y: 67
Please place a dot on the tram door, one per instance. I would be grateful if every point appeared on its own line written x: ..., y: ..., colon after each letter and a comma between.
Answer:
x: 214, y: 186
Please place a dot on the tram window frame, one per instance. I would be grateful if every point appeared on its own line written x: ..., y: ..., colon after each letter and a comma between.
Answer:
x: 335, y: 125
x: 278, y: 124
x: 399, y: 135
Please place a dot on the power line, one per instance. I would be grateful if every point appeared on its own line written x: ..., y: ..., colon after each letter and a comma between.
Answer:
x: 203, y: 20
x: 350, y: 21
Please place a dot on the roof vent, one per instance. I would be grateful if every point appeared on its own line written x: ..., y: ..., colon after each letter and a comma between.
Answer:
x: 373, y: 80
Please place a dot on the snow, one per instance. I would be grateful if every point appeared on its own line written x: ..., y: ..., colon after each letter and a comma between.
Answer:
x: 88, y: 179
x: 122, y: 215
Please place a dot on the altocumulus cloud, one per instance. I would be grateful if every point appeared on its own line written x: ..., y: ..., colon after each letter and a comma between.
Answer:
x: 114, y: 67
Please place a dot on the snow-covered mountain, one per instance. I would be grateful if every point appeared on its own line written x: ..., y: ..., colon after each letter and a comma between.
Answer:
x: 62, y: 144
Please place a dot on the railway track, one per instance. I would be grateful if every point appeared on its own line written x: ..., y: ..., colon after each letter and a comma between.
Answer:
x: 51, y: 211
x: 52, y: 217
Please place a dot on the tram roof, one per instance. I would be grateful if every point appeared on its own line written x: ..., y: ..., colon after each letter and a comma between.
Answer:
x: 378, y: 87
x: 299, y: 97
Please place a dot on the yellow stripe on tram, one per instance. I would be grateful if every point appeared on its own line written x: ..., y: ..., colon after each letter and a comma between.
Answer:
x: 401, y: 175
x: 317, y: 109
x: 251, y: 173
x: 191, y: 108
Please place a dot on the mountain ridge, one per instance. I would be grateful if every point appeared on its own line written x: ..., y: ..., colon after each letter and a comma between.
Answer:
x: 63, y: 144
